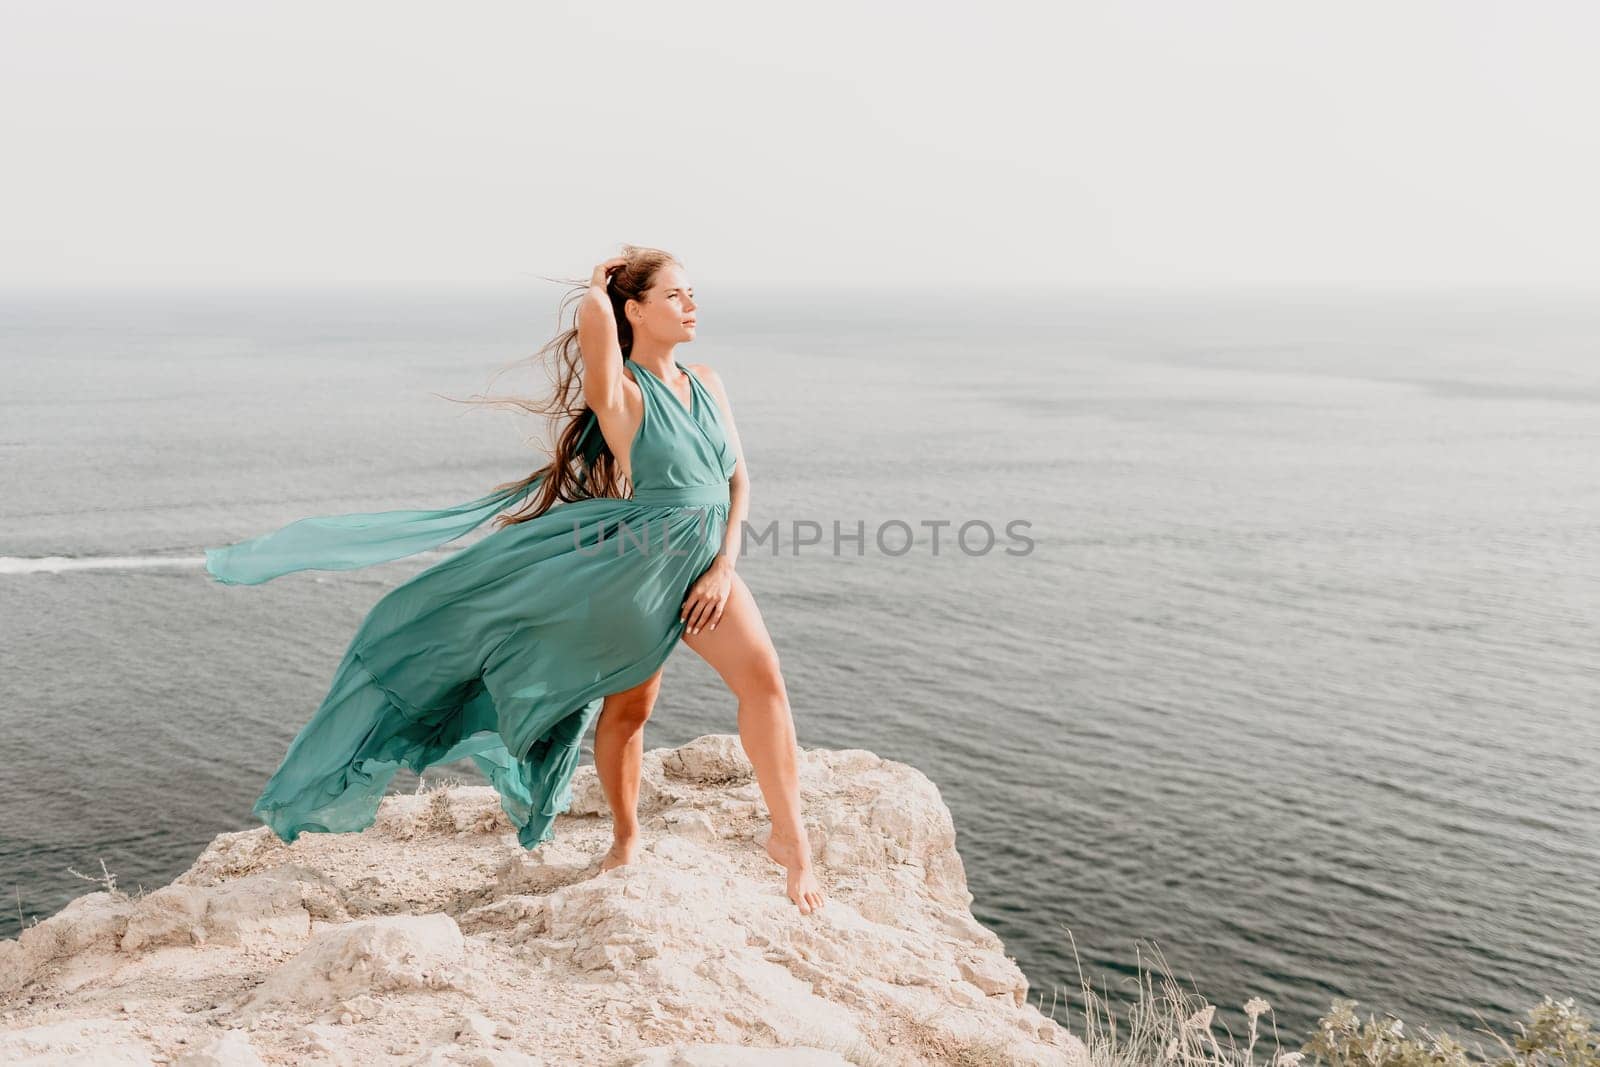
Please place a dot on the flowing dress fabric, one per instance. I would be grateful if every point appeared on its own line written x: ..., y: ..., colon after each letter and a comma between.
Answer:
x: 504, y: 651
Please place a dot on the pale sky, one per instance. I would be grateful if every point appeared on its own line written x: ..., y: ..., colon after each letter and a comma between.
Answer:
x: 983, y: 142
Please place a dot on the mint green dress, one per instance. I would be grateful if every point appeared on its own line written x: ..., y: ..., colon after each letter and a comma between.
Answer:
x: 504, y: 651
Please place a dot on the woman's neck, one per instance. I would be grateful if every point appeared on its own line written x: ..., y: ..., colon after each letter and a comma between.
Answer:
x: 657, y: 360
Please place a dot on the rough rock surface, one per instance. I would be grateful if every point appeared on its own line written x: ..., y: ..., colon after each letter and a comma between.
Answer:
x: 434, y: 938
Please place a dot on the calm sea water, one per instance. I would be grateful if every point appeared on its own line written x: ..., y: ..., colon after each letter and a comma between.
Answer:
x: 1299, y: 680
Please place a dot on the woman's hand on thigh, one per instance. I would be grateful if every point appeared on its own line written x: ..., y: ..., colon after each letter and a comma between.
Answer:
x: 740, y: 649
x: 708, y: 596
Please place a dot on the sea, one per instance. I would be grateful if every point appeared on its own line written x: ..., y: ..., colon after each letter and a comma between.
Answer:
x: 1250, y: 632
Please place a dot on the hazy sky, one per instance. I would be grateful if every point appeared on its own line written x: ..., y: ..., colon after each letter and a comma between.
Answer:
x: 232, y: 143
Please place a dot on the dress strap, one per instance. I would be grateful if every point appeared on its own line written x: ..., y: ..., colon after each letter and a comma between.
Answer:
x: 639, y: 373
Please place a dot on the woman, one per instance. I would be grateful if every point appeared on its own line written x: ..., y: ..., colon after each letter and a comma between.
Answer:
x: 508, y: 650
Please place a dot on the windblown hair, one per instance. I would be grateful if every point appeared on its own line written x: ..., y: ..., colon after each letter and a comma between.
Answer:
x: 581, y: 465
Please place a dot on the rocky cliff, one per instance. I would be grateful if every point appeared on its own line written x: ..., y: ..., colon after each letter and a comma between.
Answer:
x: 434, y: 938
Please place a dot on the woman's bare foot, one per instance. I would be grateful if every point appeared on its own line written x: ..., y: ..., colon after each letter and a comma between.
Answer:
x: 804, y: 889
x: 622, y: 852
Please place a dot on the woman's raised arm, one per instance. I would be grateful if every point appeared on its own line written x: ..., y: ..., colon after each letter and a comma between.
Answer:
x: 597, y: 341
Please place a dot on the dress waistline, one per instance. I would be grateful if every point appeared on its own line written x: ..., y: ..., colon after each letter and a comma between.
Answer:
x: 685, y: 495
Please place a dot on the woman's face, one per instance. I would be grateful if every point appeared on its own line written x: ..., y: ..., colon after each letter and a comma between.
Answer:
x: 667, y: 312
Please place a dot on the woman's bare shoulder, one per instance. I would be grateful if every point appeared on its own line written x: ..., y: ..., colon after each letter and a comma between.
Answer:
x: 709, y: 377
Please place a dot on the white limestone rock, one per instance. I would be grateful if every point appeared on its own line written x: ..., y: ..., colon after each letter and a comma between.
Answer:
x: 434, y: 938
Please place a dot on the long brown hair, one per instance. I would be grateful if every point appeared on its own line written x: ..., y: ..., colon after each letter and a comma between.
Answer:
x: 581, y: 465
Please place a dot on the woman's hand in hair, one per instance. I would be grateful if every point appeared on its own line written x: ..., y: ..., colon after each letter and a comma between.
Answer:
x: 602, y: 274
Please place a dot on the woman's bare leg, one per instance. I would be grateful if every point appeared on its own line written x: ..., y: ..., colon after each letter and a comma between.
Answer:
x: 618, y: 758
x: 741, y: 651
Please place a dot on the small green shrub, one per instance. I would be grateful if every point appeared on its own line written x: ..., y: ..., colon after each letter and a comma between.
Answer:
x: 1168, y: 1026
x: 1559, y: 1036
